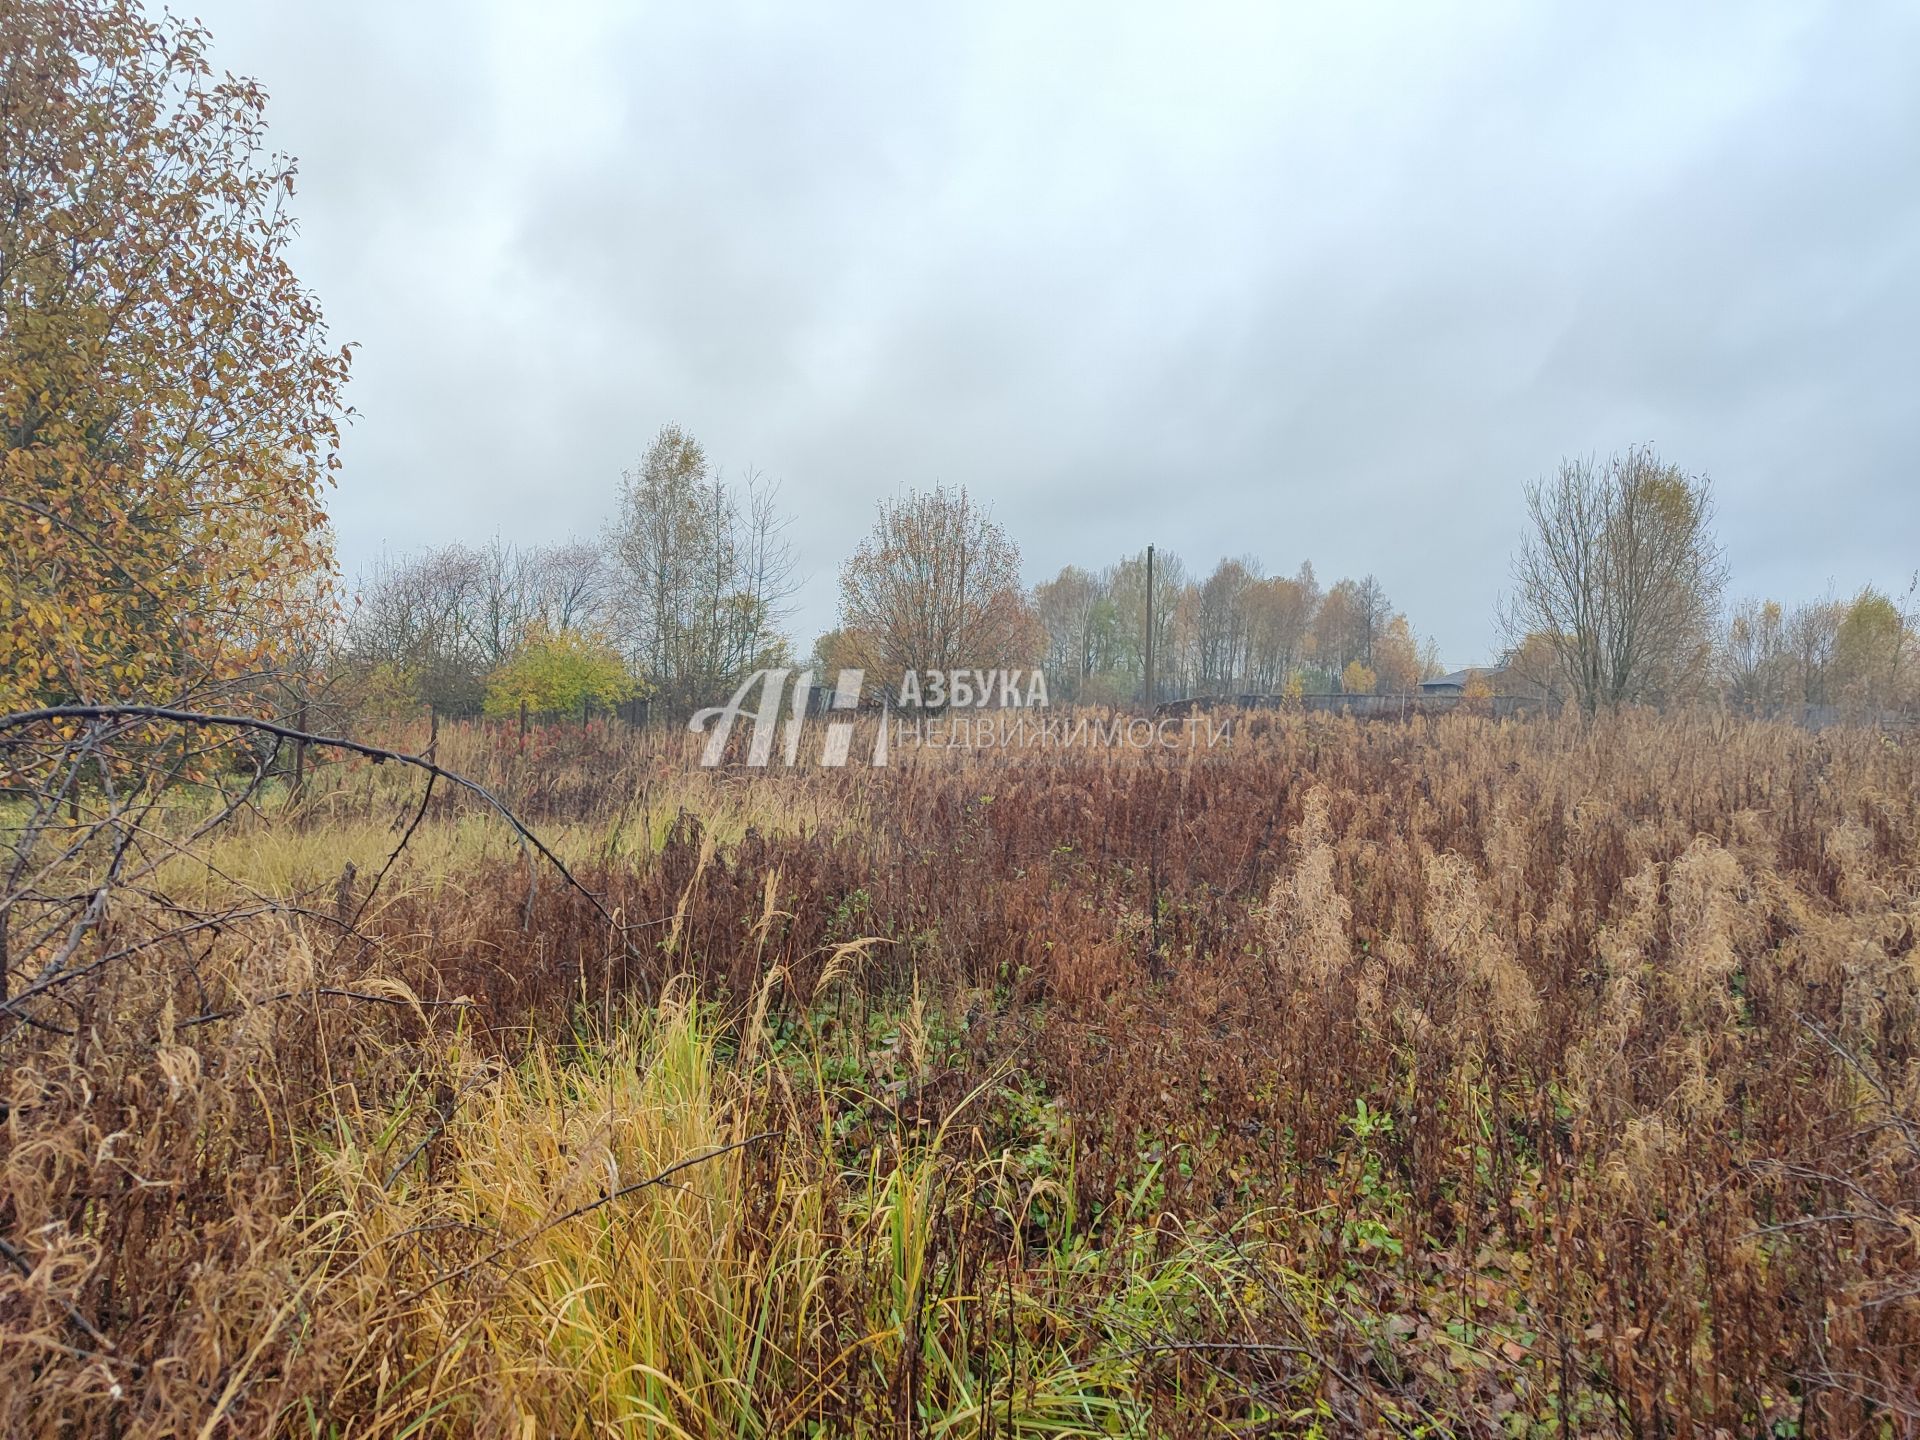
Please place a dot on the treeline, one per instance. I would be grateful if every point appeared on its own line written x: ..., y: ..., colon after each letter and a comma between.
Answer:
x: 1862, y: 652
x: 685, y: 593
x: 1860, y: 655
x: 170, y: 412
x: 1616, y: 599
x: 1617, y: 594
x: 1237, y: 631
x: 936, y: 585
x: 680, y: 600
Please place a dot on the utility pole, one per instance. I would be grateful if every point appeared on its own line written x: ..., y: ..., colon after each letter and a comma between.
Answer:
x: 1149, y: 629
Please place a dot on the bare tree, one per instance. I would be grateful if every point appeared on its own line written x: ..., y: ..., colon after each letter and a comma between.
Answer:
x: 512, y: 590
x: 1812, y: 635
x: 1069, y: 608
x: 1755, y: 660
x: 1126, y: 584
x: 414, y: 615
x: 1221, y: 628
x: 442, y: 619
x: 1337, y: 627
x: 1620, y: 572
x: 1372, y: 613
x: 571, y: 586
x: 936, y: 586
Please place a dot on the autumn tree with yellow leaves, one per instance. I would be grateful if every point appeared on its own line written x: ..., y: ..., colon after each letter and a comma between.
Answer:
x: 169, y: 403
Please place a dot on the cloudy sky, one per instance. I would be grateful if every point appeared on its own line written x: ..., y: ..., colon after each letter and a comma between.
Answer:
x: 1300, y: 281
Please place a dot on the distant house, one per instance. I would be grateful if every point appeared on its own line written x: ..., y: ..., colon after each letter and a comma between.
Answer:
x: 1457, y: 682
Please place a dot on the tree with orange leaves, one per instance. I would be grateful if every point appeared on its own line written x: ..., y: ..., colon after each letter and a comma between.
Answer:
x: 935, y: 586
x: 169, y: 404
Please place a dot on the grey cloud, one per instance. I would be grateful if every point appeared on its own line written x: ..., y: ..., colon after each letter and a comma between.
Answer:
x: 1307, y: 282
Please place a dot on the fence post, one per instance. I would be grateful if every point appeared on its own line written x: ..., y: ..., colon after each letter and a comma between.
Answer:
x: 300, y: 748
x: 433, y: 728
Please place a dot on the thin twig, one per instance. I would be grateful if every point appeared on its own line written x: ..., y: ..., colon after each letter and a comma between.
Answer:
x: 442, y: 1117
x: 405, y: 1001
x: 352, y: 926
x: 377, y: 753
x: 588, y: 1209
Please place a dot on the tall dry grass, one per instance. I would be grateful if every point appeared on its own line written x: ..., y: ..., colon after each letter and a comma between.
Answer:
x: 1437, y: 1077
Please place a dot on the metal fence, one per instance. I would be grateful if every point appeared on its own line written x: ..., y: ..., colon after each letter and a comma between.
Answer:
x: 1366, y: 707
x: 1401, y: 707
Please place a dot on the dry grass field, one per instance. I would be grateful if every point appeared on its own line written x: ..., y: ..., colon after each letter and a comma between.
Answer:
x: 1446, y: 1077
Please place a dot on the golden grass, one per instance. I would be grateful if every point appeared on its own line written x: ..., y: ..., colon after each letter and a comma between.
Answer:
x: 624, y: 1237
x: 1451, y: 1078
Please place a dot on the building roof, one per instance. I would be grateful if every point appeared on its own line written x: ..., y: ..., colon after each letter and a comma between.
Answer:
x: 1459, y: 679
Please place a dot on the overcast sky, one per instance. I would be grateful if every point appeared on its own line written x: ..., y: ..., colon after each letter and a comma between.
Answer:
x: 1301, y: 281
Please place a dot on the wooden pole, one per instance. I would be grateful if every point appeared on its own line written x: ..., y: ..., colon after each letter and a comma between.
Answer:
x: 523, y: 724
x: 300, y: 748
